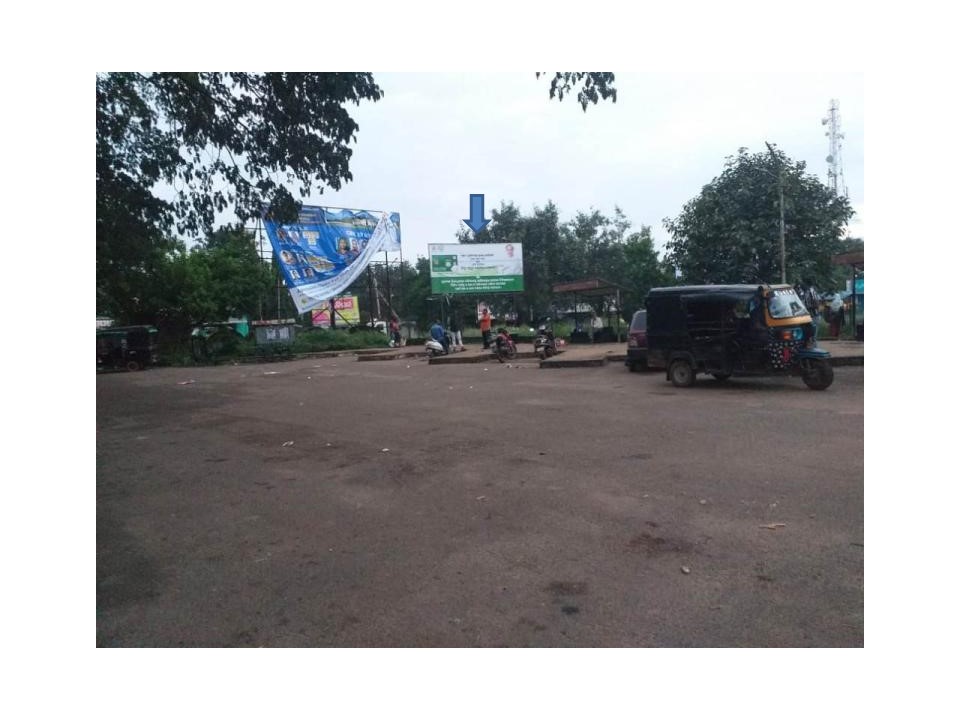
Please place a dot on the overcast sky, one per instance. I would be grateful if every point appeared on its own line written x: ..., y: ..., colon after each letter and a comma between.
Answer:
x: 435, y: 138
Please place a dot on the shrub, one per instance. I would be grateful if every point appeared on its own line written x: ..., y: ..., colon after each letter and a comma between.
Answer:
x: 319, y: 340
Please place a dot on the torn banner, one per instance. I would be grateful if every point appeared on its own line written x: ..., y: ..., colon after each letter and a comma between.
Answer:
x: 327, y: 249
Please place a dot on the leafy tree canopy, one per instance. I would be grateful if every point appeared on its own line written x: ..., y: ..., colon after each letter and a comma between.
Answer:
x: 591, y: 245
x: 595, y: 86
x: 220, y: 140
x: 730, y: 232
x: 237, y: 141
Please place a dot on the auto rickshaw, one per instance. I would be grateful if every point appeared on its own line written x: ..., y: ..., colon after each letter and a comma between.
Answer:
x: 133, y: 347
x: 733, y: 331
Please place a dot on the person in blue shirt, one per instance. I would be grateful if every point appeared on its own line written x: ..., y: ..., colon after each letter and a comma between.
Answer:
x: 440, y: 335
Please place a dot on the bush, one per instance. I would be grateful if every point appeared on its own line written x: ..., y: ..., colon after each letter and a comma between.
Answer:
x: 320, y: 340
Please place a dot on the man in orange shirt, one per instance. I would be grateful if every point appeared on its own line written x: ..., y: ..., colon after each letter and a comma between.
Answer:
x: 485, y: 322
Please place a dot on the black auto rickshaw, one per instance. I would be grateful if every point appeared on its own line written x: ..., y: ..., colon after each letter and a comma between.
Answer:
x: 733, y: 330
x: 132, y: 347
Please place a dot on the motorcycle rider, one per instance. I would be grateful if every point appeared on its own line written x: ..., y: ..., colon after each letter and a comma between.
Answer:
x: 440, y: 335
x: 503, y: 337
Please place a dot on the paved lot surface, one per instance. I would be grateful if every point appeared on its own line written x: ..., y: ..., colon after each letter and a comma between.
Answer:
x: 514, y: 507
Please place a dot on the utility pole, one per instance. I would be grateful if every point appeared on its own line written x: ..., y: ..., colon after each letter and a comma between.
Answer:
x: 783, y: 239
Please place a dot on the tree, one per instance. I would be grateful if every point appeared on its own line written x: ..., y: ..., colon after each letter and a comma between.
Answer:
x: 235, y: 279
x: 590, y: 245
x: 730, y: 232
x: 219, y: 139
x: 642, y: 270
x: 596, y: 85
x: 543, y: 256
x: 175, y: 149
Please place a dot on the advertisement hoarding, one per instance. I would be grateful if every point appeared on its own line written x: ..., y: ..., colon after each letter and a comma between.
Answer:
x: 476, y: 269
x: 347, y: 308
x: 327, y: 249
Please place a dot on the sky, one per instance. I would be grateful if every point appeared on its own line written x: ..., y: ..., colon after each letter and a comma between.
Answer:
x: 436, y: 138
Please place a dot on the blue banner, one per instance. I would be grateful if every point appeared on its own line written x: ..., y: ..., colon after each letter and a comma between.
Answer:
x: 327, y: 249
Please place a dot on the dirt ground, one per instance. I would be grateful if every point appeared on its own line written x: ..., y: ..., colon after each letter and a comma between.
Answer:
x: 342, y: 503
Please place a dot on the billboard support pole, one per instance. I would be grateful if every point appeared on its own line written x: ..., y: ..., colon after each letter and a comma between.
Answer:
x: 259, y: 233
x: 619, y: 313
x: 386, y: 265
x: 370, y: 292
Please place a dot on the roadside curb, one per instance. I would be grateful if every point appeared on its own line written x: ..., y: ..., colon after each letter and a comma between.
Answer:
x: 554, y: 363
x: 389, y: 355
x: 477, y: 358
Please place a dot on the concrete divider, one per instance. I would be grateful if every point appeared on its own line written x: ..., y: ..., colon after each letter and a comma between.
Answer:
x: 842, y: 352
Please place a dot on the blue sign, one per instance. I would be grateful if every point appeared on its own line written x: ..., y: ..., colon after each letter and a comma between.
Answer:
x: 327, y: 249
x: 858, y: 286
x: 476, y: 221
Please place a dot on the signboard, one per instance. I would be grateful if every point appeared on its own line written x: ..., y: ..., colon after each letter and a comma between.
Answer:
x: 858, y: 286
x: 476, y: 268
x: 347, y: 308
x: 327, y: 249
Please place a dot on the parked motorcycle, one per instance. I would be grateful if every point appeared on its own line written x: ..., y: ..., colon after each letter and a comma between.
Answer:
x: 545, y: 344
x: 434, y: 348
x: 503, y: 346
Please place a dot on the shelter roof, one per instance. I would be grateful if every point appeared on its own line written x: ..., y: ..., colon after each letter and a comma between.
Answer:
x: 587, y: 286
x: 849, y: 258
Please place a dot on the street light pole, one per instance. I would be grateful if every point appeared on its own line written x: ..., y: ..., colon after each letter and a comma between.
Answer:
x: 783, y: 241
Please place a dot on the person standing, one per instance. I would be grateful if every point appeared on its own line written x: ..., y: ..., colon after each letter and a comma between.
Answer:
x: 486, y: 321
x: 811, y: 298
x: 596, y: 325
x: 457, y: 342
x: 836, y: 316
x: 395, y: 331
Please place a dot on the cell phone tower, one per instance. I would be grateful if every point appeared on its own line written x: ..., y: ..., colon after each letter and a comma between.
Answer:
x: 834, y: 161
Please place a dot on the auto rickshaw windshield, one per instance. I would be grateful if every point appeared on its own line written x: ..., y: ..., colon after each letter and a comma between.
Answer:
x: 784, y: 303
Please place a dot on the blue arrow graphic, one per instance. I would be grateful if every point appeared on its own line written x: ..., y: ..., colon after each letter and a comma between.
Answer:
x: 476, y: 221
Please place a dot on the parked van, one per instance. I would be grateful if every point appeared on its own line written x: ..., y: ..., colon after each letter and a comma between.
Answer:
x: 637, y: 341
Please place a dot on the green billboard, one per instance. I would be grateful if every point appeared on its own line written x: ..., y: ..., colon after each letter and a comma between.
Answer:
x: 476, y: 269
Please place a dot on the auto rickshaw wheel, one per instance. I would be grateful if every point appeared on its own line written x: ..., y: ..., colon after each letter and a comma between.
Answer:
x: 819, y: 375
x: 133, y: 365
x: 681, y: 373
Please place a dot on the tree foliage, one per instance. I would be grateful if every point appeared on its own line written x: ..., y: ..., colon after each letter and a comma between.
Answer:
x: 234, y: 278
x: 730, y: 232
x: 591, y: 245
x: 175, y: 149
x: 595, y: 86
x: 220, y: 140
